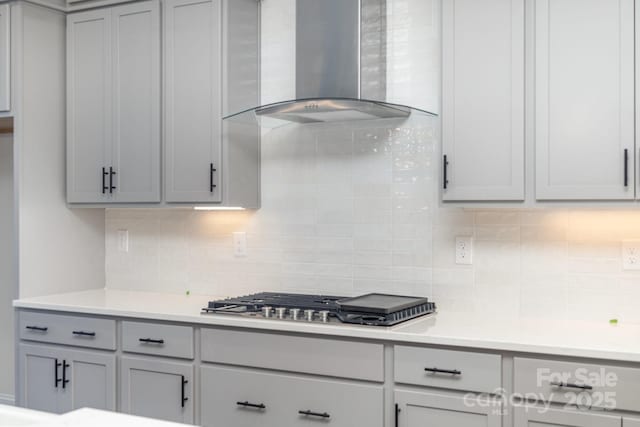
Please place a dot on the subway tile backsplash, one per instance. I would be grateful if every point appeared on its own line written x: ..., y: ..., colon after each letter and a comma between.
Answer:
x: 351, y: 210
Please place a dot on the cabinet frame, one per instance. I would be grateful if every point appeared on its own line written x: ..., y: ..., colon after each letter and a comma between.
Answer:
x: 5, y: 57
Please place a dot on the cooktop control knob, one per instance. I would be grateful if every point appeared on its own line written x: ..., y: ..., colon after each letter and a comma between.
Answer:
x: 281, y: 312
x: 295, y: 313
x: 308, y: 315
x: 324, y: 316
x: 267, y: 311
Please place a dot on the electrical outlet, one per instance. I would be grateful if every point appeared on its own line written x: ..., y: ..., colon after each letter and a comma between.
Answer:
x: 123, y: 240
x: 464, y: 250
x: 631, y: 255
x: 240, y: 244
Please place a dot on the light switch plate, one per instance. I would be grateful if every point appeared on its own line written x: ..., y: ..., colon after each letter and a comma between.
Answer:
x: 123, y: 240
x: 631, y: 254
x: 464, y: 250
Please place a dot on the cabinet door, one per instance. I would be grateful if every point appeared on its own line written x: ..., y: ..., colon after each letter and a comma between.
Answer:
x: 584, y: 108
x: 157, y: 389
x: 434, y: 410
x: 89, y: 381
x: 40, y: 373
x: 251, y: 398
x: 630, y: 422
x: 88, y: 105
x: 483, y: 100
x: 531, y: 416
x: 136, y: 102
x: 5, y: 63
x: 193, y: 100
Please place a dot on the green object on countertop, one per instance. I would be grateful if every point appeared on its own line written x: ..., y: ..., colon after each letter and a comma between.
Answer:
x: 188, y: 293
x: 613, y: 321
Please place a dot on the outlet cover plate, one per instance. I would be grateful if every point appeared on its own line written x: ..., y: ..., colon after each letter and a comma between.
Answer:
x: 631, y: 254
x: 464, y: 250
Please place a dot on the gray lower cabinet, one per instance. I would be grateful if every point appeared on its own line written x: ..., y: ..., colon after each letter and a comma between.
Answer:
x: 417, y: 409
x: 534, y: 416
x: 157, y: 389
x: 248, y: 398
x: 60, y: 380
x: 631, y: 422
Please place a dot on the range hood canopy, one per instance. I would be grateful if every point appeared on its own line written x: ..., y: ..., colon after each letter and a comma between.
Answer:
x: 347, y: 60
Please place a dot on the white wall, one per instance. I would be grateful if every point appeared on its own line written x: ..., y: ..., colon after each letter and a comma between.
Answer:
x: 8, y: 288
x: 60, y: 249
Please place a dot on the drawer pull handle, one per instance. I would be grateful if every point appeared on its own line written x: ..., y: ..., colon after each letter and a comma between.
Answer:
x: 37, y: 328
x: 84, y: 334
x: 182, y: 393
x: 151, y: 341
x: 443, y: 371
x: 247, y: 404
x: 572, y: 385
x: 308, y: 413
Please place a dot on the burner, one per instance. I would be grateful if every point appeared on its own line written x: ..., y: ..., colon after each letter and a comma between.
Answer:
x: 370, y: 309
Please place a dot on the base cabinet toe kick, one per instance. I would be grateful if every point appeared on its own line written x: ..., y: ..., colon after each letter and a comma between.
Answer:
x: 220, y: 376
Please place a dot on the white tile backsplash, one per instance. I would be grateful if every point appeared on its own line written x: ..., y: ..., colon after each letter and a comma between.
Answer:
x: 349, y: 211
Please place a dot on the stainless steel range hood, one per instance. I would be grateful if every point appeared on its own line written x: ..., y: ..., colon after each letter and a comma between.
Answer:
x: 348, y: 60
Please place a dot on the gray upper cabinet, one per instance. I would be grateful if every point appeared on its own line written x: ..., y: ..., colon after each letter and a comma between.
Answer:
x: 193, y: 100
x: 59, y: 380
x: 113, y: 104
x: 483, y: 100
x: 157, y: 389
x: 435, y: 410
x: 584, y: 109
x: 5, y: 63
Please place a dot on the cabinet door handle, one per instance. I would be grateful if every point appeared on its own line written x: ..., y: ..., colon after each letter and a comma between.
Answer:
x: 37, y: 328
x: 65, y: 365
x: 183, y: 399
x: 626, y: 167
x: 571, y: 385
x: 247, y: 404
x: 56, y: 365
x: 443, y: 371
x: 104, y: 184
x: 111, y: 186
x: 445, y: 179
x: 212, y: 186
x: 308, y: 413
x: 84, y: 334
x: 397, y: 415
x: 151, y: 341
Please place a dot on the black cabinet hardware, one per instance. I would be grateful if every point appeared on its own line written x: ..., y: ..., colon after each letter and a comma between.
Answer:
x: 251, y: 405
x: 37, y: 328
x: 212, y: 186
x: 445, y: 164
x: 182, y: 396
x: 151, y: 341
x: 308, y: 413
x: 104, y: 184
x: 111, y: 186
x: 443, y: 371
x: 65, y: 365
x: 56, y: 365
x: 397, y: 414
x: 571, y: 385
x: 84, y: 334
x: 626, y: 167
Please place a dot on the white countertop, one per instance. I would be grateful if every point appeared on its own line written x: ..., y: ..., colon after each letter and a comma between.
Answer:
x: 578, y: 339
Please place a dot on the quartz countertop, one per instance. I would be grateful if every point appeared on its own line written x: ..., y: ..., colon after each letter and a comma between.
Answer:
x: 619, y: 342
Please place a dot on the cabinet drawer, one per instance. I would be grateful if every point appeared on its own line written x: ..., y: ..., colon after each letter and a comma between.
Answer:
x: 70, y: 330
x: 586, y: 385
x: 449, y: 369
x: 345, y: 359
x: 243, y: 397
x: 158, y: 340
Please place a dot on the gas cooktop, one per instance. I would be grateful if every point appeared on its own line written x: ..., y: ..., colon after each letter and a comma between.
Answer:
x: 371, y: 309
